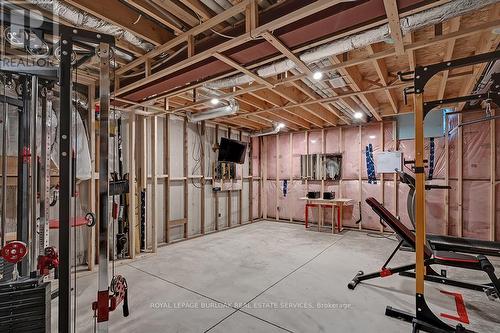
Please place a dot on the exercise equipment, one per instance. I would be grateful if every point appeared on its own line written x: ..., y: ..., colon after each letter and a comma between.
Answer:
x: 446, y: 258
x: 446, y: 243
x: 49, y: 260
x: 424, y: 319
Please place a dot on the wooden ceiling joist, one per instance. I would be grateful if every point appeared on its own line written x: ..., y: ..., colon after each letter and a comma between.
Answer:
x: 391, y: 10
x: 278, y: 44
x: 383, y: 74
x: 242, y: 69
x: 178, y: 12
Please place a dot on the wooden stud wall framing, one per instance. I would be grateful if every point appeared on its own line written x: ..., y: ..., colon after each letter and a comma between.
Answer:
x: 214, y: 193
x: 202, y: 179
x: 229, y: 193
x: 360, y: 178
x: 132, y: 188
x: 342, y: 152
x: 447, y: 178
x: 240, y: 192
x: 186, y: 180
x: 264, y: 177
x: 154, y: 174
x: 382, y: 180
x: 166, y: 170
x: 493, y: 159
x: 277, y: 216
x: 395, y: 177
x: 144, y: 165
x: 250, y: 175
x: 290, y: 163
x: 460, y: 177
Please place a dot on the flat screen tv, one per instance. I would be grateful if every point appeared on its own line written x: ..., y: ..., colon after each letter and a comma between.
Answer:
x: 232, y: 151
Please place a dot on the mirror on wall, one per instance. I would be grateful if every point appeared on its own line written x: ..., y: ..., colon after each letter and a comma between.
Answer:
x: 321, y: 166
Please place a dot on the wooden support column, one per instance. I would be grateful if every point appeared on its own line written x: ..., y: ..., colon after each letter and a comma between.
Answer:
x: 277, y: 177
x: 132, y: 189
x: 250, y: 174
x: 395, y: 177
x: 264, y: 177
x: 382, y: 180
x: 360, y: 178
x: 92, y: 181
x: 240, y: 193
x: 216, y: 197
x: 290, y: 161
x: 460, y: 177
x: 341, y: 136
x: 186, y: 180
x: 306, y: 134
x: 144, y: 169
x: 154, y: 179
x: 202, y: 179
x: 229, y: 192
x: 166, y: 169
x: 493, y: 159
x: 447, y: 178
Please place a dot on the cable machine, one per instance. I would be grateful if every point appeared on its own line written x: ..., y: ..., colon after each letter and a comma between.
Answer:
x: 425, y: 319
x: 29, y: 253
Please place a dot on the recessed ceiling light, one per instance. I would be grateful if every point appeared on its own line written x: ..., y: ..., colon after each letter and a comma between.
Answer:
x: 358, y: 115
x: 214, y: 101
x: 281, y: 125
x: 317, y: 75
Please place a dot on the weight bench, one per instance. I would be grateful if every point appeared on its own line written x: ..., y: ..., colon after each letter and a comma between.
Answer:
x: 445, y: 258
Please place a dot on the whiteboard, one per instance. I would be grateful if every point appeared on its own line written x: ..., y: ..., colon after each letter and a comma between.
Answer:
x: 388, y: 161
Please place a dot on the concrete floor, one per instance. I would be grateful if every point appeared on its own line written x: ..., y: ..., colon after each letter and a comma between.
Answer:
x: 271, y: 277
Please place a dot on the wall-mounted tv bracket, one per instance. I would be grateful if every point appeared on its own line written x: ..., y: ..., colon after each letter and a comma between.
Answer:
x: 425, y: 319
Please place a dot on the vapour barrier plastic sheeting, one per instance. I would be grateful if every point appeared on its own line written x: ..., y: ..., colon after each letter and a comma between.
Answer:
x: 435, y: 209
x: 332, y: 140
x: 476, y: 209
x: 350, y: 189
x: 369, y: 135
x: 350, y: 160
x: 83, y: 164
x: 284, y: 156
x: 389, y: 143
x: 270, y: 188
x: 476, y: 148
x: 453, y: 208
x: 315, y: 142
x: 271, y: 156
x: 255, y: 157
x: 298, y: 148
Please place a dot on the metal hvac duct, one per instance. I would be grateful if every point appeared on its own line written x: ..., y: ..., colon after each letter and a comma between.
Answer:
x: 379, y: 34
x: 82, y: 19
x: 222, y: 111
x: 274, y: 130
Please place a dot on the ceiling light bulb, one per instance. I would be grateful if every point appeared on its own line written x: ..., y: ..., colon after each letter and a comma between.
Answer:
x: 281, y: 125
x: 358, y: 115
x: 214, y: 101
x: 317, y: 75
x: 372, y: 137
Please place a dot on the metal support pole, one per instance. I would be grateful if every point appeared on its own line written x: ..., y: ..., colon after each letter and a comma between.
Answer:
x: 104, y: 94
x: 45, y: 171
x: 23, y: 172
x: 4, y: 169
x: 65, y: 185
x: 34, y: 181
